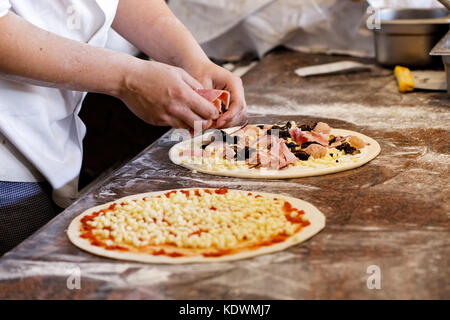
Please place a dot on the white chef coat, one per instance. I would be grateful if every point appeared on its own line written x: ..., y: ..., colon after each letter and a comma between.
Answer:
x: 40, y: 131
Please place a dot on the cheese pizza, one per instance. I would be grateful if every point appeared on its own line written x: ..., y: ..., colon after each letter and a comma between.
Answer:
x: 195, y: 225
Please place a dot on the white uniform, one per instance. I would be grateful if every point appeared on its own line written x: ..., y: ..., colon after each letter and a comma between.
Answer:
x: 40, y: 131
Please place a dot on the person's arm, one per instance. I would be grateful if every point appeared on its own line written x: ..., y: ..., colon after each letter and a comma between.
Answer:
x: 152, y: 27
x: 30, y: 54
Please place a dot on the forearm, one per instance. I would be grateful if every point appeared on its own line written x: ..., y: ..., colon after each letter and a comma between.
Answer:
x: 33, y: 55
x: 153, y: 28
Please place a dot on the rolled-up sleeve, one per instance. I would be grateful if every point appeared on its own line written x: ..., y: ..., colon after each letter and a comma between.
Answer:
x: 5, y: 5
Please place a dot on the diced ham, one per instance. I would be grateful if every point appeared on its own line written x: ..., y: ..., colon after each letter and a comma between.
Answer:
x: 264, y: 159
x: 196, y: 152
x: 322, y: 127
x: 316, y: 151
x: 242, y: 127
x: 297, y: 136
x: 271, y: 160
x: 321, y: 138
x: 289, y: 156
x: 217, y: 97
x: 278, y: 157
x: 356, y: 142
x: 263, y: 142
x: 229, y: 153
x: 249, y: 135
x: 252, y: 130
x: 281, y: 163
x: 301, y: 137
x: 215, y: 146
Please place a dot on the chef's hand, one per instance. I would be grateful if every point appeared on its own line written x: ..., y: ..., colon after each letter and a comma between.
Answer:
x: 213, y: 76
x: 163, y: 95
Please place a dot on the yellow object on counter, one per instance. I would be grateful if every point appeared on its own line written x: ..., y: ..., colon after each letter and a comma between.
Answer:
x: 404, y: 79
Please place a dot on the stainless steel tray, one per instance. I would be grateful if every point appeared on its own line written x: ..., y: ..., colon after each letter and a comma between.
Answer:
x: 442, y: 48
x: 406, y: 36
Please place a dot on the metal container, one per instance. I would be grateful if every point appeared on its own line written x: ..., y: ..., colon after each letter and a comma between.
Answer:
x: 406, y: 36
x: 443, y: 49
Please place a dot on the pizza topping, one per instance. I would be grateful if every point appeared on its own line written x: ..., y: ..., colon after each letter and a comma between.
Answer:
x: 220, y: 148
x: 194, y: 152
x: 356, y: 142
x: 347, y: 148
x: 307, y: 144
x: 189, y: 222
x: 322, y: 128
x: 313, y: 136
x: 301, y: 155
x: 316, y: 150
x: 220, y: 98
x: 288, y: 155
x: 334, y: 142
x: 300, y: 137
x: 292, y: 214
x: 275, y: 147
x: 273, y: 153
x: 225, y: 137
x: 244, y: 153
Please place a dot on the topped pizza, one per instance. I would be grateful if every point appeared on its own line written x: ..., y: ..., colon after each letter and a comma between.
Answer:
x: 195, y: 225
x: 277, y: 151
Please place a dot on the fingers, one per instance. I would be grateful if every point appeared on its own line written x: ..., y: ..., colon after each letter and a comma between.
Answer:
x: 190, y: 81
x: 238, y: 119
x: 209, y: 124
x: 190, y: 107
x: 201, y: 106
x: 197, y: 103
x: 188, y: 117
x: 236, y: 113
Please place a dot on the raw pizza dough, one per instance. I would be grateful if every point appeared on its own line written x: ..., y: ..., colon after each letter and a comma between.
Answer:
x: 367, y: 154
x: 315, y: 217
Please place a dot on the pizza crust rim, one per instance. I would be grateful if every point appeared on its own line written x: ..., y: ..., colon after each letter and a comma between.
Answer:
x: 289, y: 173
x: 316, y: 218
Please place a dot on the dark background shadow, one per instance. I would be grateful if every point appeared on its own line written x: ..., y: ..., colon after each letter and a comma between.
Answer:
x: 114, y: 135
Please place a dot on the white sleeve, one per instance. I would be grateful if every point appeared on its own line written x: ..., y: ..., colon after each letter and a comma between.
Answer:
x: 4, y: 7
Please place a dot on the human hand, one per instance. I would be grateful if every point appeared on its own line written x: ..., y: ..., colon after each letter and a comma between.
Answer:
x: 164, y: 95
x: 212, y: 76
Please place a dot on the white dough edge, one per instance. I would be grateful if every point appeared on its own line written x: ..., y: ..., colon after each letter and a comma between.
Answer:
x: 315, y: 217
x: 288, y: 173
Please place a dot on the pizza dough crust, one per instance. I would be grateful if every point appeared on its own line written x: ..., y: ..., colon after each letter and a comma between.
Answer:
x: 373, y: 149
x: 316, y: 218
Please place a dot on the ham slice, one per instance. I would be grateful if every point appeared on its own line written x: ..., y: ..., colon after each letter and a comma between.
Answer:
x: 356, y: 142
x: 192, y: 153
x: 212, y: 148
x: 288, y: 155
x: 278, y: 157
x: 217, y: 97
x: 301, y: 137
x: 322, y: 127
x: 297, y: 136
x: 316, y: 151
x: 263, y: 142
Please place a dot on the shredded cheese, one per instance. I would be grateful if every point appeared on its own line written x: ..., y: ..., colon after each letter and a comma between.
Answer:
x: 200, y: 219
